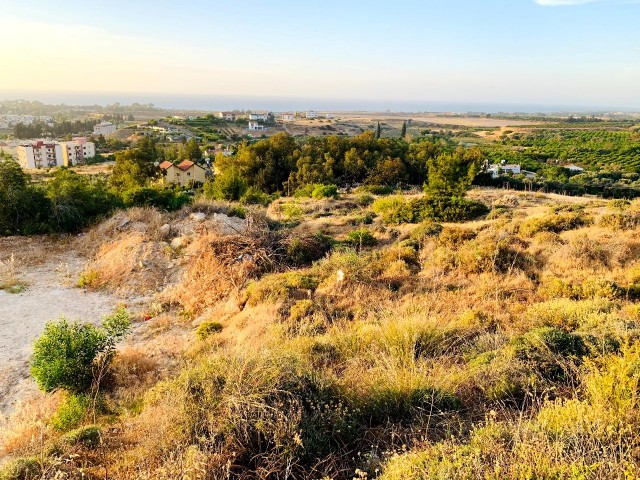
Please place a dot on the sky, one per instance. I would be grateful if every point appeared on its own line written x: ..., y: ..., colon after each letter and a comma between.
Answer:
x: 404, y: 52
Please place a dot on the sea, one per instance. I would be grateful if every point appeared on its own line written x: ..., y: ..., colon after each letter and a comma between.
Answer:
x: 283, y: 104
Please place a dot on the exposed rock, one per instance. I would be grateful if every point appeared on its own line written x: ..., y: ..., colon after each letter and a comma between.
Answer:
x: 198, y: 216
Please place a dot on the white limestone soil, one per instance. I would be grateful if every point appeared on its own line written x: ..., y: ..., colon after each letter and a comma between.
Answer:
x: 50, y: 294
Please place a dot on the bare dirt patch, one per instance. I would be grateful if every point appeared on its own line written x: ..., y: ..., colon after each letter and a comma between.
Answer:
x: 49, y: 271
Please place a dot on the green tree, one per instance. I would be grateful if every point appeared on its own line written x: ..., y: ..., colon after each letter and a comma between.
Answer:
x: 23, y: 207
x: 378, y: 131
x: 450, y: 175
x: 229, y: 185
x: 192, y: 150
x: 73, y: 356
x: 403, y: 133
x: 135, y: 167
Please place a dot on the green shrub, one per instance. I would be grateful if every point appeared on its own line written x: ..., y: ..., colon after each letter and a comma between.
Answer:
x: 254, y: 196
x: 393, y: 210
x: 88, y: 437
x: 208, y: 328
x: 305, y: 191
x: 365, y: 199
x: 71, y: 412
x: 291, y: 211
x: 229, y: 185
x: 325, y: 191
x: 446, y: 209
x: 425, y: 230
x: 65, y: 355
x: 361, y: 238
x: 22, y: 469
x: 280, y: 286
x: 548, y: 348
x: 396, y: 210
x: 305, y: 249
x: 237, y: 211
x: 301, y: 309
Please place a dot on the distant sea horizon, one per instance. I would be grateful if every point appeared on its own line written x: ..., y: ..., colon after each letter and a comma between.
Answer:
x: 282, y: 104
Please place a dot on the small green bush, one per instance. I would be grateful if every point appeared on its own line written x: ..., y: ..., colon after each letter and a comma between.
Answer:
x: 65, y: 355
x: 365, y: 199
x: 71, y: 412
x: 305, y: 249
x: 254, y: 196
x: 88, y: 437
x: 237, y: 211
x: 376, y: 189
x: 361, y: 238
x: 208, y: 328
x: 324, y: 191
x: 396, y: 210
x: 22, y: 469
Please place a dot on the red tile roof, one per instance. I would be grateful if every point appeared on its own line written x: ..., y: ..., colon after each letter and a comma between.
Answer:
x: 164, y: 165
x: 185, y: 165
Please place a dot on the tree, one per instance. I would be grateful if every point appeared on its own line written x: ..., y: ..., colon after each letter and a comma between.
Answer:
x: 23, y: 207
x: 135, y: 167
x: 72, y: 356
x: 192, y: 150
x: 450, y: 175
x: 378, y: 131
x: 229, y: 185
x: 403, y: 133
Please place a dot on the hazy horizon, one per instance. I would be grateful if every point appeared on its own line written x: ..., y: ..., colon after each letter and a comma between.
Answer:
x: 231, y: 102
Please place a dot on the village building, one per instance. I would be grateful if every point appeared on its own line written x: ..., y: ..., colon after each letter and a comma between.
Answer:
x: 104, y: 128
x: 184, y: 174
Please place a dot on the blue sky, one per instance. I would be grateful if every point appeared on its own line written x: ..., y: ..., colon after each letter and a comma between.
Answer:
x: 545, y: 52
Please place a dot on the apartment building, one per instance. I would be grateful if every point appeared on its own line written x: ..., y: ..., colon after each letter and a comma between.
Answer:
x: 77, y: 151
x: 39, y: 154
x: 49, y: 153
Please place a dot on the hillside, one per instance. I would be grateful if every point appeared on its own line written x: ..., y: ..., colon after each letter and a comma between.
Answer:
x: 313, y: 339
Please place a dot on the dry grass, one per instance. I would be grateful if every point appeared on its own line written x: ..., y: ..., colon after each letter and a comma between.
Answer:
x: 502, y: 348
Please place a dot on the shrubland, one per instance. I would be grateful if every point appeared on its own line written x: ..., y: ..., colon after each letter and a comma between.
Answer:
x: 490, y: 348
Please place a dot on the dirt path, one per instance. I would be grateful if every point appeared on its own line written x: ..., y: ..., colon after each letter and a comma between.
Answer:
x: 50, y: 294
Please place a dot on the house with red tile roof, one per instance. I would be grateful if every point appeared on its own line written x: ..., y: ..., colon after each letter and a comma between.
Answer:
x: 185, y: 174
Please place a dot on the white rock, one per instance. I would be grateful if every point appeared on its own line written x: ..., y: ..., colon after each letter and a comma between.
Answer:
x: 165, y: 229
x: 178, y: 242
x: 198, y: 216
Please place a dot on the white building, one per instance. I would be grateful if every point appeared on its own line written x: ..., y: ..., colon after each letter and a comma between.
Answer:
x: 288, y: 117
x: 259, y: 116
x: 104, y: 128
x: 496, y: 169
x: 574, y: 168
x: 40, y: 154
x: 255, y: 126
x: 227, y: 116
x: 329, y: 116
x: 311, y: 114
x: 77, y: 151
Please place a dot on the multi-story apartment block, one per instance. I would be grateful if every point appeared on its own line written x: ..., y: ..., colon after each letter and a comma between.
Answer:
x: 77, y: 151
x: 49, y: 153
x: 40, y: 154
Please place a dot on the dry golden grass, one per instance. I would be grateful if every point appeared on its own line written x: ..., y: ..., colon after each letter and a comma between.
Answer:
x: 479, y: 350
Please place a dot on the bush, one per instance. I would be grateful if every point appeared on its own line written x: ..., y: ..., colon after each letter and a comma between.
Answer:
x: 396, y: 210
x: 365, y: 199
x: 22, y: 469
x: 361, y: 238
x: 254, y: 196
x: 229, y: 185
x: 324, y: 191
x: 67, y: 354
x: 71, y: 412
x: 88, y: 437
x: 208, y: 328
x: 305, y: 249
